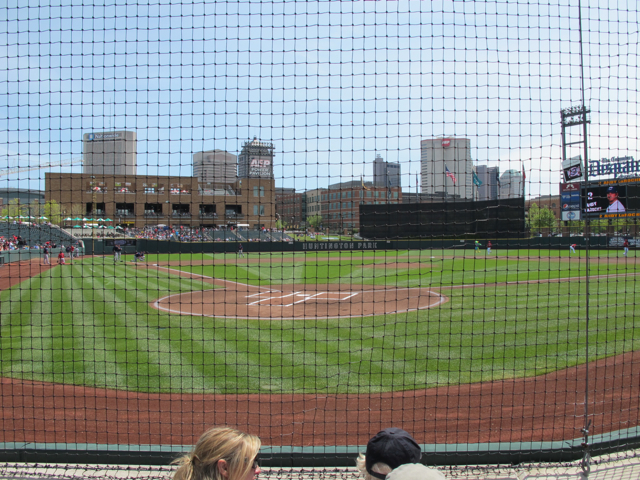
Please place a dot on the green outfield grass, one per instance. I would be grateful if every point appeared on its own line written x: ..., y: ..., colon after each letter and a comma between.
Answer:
x: 91, y: 324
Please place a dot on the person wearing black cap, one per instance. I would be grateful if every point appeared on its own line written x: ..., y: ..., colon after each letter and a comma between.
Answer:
x: 387, y: 450
x: 615, y: 205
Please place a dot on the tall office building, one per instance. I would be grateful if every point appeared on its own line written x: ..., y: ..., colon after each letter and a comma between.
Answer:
x: 215, y: 166
x: 489, y: 176
x: 109, y: 153
x: 256, y: 159
x: 439, y: 154
x: 385, y: 173
x: 511, y: 184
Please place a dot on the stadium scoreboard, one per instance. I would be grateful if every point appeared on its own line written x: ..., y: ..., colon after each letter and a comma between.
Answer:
x: 614, y: 198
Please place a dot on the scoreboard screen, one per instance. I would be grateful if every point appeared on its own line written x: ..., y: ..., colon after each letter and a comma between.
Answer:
x: 611, y: 198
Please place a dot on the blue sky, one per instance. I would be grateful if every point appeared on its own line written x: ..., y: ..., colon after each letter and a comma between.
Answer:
x: 330, y: 83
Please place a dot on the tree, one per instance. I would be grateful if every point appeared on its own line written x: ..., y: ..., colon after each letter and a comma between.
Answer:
x: 540, y: 219
x: 314, y: 221
x: 35, y: 210
x: 13, y: 209
x: 52, y: 211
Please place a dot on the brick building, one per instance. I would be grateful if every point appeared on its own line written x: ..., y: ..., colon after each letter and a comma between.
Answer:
x: 151, y: 200
x: 291, y: 208
x: 341, y: 203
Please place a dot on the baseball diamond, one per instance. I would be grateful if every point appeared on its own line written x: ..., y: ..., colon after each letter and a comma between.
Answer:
x: 208, y: 297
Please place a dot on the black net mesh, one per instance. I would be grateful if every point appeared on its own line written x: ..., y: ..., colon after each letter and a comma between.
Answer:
x: 313, y: 220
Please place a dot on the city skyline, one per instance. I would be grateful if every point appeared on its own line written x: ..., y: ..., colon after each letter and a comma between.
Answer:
x: 331, y: 84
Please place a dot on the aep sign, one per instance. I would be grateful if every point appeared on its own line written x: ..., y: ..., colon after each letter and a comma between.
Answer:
x: 446, y: 142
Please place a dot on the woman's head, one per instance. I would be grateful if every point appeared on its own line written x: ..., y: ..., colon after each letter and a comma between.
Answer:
x: 221, y: 453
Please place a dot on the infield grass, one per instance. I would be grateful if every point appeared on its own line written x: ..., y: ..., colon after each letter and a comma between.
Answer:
x: 91, y: 323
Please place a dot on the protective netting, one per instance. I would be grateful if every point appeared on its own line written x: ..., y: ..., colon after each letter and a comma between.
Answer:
x: 313, y: 220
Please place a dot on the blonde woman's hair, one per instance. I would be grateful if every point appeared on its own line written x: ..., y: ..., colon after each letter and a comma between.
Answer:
x: 378, y: 467
x: 237, y: 448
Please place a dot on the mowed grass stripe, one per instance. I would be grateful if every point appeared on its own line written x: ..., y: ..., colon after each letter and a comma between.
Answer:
x: 196, y: 339
x: 20, y: 328
x: 145, y: 362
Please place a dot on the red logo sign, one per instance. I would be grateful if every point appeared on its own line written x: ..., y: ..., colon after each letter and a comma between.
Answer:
x: 569, y: 187
x: 446, y: 142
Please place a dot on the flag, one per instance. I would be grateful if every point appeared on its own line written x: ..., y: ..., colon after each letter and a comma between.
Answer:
x: 476, y: 180
x: 388, y: 187
x: 364, y: 187
x: 498, y: 177
x: 449, y: 174
x: 524, y: 175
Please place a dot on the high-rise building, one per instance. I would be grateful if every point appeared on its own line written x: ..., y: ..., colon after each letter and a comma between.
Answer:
x: 489, y: 176
x: 109, y: 153
x: 215, y: 166
x: 441, y: 161
x: 511, y: 184
x: 256, y: 159
x: 385, y: 174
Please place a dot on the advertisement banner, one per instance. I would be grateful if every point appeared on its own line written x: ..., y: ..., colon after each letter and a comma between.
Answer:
x: 571, y: 215
x: 260, y: 167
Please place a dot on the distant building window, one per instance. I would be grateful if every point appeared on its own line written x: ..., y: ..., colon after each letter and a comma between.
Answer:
x: 258, y: 209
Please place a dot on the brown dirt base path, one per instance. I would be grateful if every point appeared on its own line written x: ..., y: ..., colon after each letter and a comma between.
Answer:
x: 13, y: 273
x: 544, y: 408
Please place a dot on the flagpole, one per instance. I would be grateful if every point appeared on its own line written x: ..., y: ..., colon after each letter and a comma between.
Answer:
x: 444, y: 172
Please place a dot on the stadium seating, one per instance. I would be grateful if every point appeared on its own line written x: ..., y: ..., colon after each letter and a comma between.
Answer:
x: 36, y: 234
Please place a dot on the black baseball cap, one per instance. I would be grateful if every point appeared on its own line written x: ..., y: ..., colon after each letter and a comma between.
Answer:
x: 612, y: 189
x: 392, y: 446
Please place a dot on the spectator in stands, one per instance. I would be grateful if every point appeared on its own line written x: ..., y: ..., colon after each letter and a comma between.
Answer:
x: 415, y: 471
x: 387, y: 450
x: 221, y: 453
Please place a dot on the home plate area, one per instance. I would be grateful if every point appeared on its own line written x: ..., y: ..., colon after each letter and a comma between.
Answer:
x: 287, y: 302
x: 290, y: 299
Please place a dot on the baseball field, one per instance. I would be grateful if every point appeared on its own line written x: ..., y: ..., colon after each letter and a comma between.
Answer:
x: 335, y: 323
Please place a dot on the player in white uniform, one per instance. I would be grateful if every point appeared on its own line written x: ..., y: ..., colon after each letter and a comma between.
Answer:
x: 615, y: 205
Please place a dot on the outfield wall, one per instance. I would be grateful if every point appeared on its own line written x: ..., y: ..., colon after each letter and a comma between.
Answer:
x: 101, y: 247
